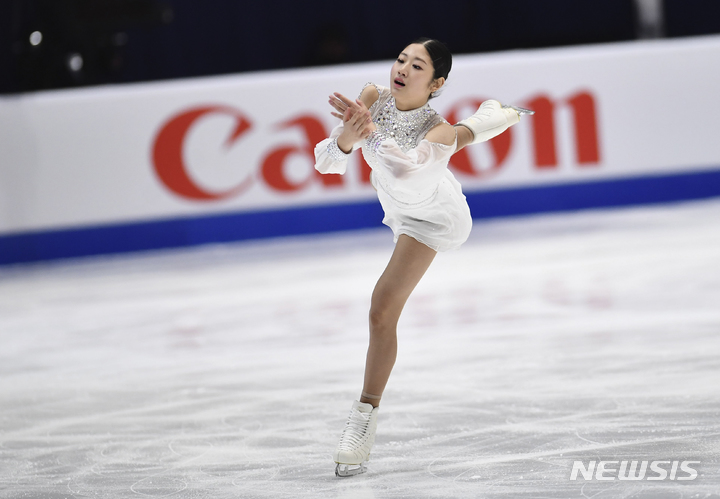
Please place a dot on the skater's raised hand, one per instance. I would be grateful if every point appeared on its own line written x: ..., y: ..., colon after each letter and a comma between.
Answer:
x: 357, y: 126
x: 341, y: 104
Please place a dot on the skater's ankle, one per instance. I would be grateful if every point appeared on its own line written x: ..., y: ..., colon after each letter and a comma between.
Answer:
x: 369, y: 398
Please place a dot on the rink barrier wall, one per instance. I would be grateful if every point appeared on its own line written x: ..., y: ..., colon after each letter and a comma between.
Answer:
x: 167, y: 164
x: 143, y: 236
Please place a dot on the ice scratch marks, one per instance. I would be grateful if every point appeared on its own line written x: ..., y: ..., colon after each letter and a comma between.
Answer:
x: 158, y: 486
x: 516, y: 452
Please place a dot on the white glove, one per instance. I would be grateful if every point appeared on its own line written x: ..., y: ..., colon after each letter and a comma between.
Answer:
x: 490, y: 120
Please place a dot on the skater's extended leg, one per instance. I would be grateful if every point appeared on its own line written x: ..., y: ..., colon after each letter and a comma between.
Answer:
x: 407, y: 265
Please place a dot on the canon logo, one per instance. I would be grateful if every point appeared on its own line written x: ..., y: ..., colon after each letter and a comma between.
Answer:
x: 272, y: 170
x: 168, y: 158
x: 544, y: 133
x: 635, y: 470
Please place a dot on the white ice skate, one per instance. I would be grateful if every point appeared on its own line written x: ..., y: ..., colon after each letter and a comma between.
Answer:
x: 358, y: 437
x: 491, y: 119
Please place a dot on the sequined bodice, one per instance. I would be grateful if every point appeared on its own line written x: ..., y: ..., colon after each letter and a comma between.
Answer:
x: 408, y: 128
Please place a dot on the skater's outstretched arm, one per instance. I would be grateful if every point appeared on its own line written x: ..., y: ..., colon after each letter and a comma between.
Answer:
x: 464, y: 137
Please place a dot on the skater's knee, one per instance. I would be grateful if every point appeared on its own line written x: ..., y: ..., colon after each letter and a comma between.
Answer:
x: 383, y: 320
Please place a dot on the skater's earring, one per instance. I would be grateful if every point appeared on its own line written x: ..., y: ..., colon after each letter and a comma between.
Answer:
x: 437, y: 87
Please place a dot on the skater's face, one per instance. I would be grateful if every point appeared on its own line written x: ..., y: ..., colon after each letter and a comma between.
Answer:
x: 411, y: 78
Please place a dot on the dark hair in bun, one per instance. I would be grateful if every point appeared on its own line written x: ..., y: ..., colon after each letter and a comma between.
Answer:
x: 440, y: 55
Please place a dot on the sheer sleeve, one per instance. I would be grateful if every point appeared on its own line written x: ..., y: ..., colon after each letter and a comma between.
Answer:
x: 329, y: 158
x: 386, y: 153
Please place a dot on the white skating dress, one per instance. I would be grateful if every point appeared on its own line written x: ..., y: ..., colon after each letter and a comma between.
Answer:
x: 419, y: 195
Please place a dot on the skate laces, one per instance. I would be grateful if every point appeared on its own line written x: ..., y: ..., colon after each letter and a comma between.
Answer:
x: 355, y: 430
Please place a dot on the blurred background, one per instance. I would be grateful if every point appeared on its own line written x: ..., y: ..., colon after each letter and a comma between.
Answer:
x: 48, y: 44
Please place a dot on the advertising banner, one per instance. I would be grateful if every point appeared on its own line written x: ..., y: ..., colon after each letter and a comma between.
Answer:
x: 162, y: 164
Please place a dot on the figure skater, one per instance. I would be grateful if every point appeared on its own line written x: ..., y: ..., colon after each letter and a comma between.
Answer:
x: 408, y: 146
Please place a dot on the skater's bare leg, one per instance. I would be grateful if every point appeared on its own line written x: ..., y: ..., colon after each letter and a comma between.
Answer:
x: 407, y: 265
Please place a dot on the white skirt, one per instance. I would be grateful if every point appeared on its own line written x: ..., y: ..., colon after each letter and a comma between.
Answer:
x: 442, y: 224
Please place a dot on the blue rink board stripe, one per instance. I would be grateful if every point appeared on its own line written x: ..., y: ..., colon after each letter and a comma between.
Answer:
x: 48, y: 245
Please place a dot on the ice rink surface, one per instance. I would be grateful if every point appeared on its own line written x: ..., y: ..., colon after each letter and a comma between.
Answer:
x: 228, y: 371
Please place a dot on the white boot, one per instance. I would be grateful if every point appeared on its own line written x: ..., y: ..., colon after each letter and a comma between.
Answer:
x: 490, y: 120
x: 357, y: 439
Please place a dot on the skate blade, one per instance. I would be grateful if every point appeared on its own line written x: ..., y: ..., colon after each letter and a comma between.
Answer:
x: 345, y: 470
x: 520, y: 110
